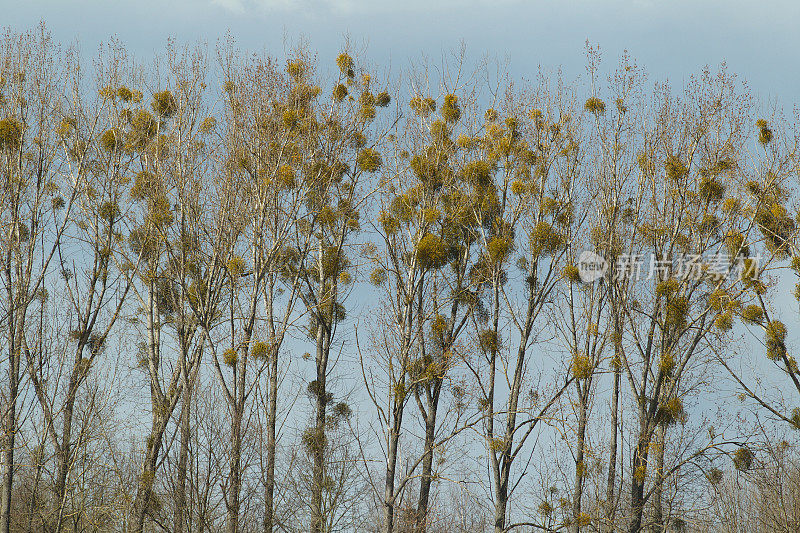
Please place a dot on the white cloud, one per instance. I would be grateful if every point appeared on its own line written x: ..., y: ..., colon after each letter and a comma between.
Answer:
x: 350, y: 6
x: 236, y: 6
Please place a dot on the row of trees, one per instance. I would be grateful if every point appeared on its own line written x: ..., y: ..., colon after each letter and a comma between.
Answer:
x: 174, y: 237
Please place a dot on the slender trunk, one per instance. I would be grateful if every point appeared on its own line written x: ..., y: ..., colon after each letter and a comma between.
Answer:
x: 239, y: 398
x: 658, y: 517
x: 612, y: 458
x: 499, y: 467
x: 502, y: 464
x: 500, y: 507
x: 10, y: 424
x: 426, y: 480
x: 64, y: 451
x: 272, y: 416
x: 37, y: 480
x: 616, y: 363
x: 398, y: 406
x: 183, y: 457
x: 63, y: 462
x: 160, y: 408
x: 637, y: 491
x: 580, y: 468
x: 9, y: 429
x: 234, y: 489
x: 391, y: 466
x: 144, y: 494
x: 317, y: 443
x: 638, y: 478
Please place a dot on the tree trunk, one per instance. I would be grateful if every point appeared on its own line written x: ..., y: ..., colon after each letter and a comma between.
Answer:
x: 638, y: 478
x: 426, y: 480
x: 145, y: 491
x: 580, y: 468
x: 272, y: 416
x: 37, y: 480
x: 612, y: 456
x: 63, y: 463
x: 499, y: 469
x: 500, y: 507
x: 658, y: 515
x: 318, y: 438
x: 616, y: 363
x: 10, y: 422
x: 234, y: 489
x: 183, y: 458
x: 391, y: 466
x: 239, y: 399
x: 9, y: 430
x: 160, y: 410
x: 64, y: 449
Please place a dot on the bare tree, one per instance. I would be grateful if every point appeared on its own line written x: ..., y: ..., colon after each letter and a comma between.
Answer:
x: 422, y: 262
x: 335, y: 157
x: 175, y: 258
x: 34, y: 212
x: 522, y: 196
x: 260, y: 147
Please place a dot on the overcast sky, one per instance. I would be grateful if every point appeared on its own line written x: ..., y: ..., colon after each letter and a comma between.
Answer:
x: 671, y: 38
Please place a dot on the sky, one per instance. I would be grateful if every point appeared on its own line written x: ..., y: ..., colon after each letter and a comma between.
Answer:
x: 672, y: 39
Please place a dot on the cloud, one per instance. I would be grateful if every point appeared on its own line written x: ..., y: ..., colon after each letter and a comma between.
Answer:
x: 255, y: 6
x: 235, y: 6
x: 353, y: 6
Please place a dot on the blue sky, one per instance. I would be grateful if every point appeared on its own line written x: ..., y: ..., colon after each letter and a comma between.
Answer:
x: 671, y: 39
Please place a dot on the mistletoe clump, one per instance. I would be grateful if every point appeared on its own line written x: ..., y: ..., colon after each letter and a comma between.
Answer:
x: 764, y: 131
x: 230, y: 357
x: 345, y: 64
x: 666, y: 364
x: 571, y: 274
x: 499, y: 248
x: 111, y: 140
x: 752, y: 314
x: 10, y: 133
x: 545, y: 239
x: 164, y: 104
x: 595, y: 106
x: 743, y: 459
x: 450, y: 110
x: 432, y: 252
x: 260, y: 350
x: 671, y: 411
x: 675, y: 168
x: 422, y: 106
x: 488, y: 341
x: 581, y: 366
x: 776, y: 339
x: 711, y: 189
x: 369, y: 160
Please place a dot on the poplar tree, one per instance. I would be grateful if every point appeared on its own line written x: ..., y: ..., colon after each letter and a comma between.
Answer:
x: 422, y: 265
x: 523, y: 198
x: 337, y: 150
x: 173, y: 248
x: 36, y: 201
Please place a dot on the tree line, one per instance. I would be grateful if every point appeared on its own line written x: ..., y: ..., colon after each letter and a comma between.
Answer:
x: 249, y: 293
